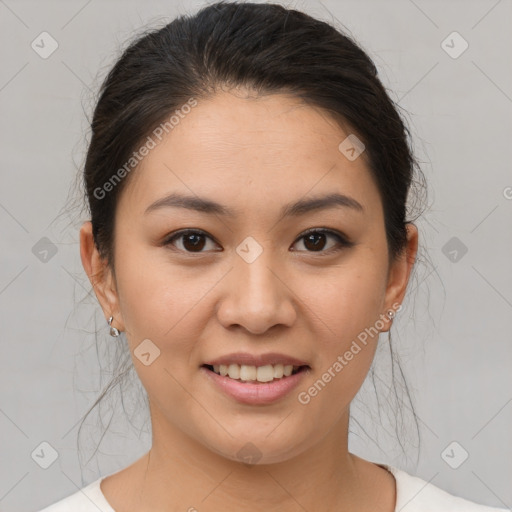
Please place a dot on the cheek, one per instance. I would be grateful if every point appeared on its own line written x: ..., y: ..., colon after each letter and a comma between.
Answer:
x: 154, y: 298
x: 346, y: 300
x: 160, y: 304
x: 165, y: 303
x: 345, y: 308
x: 345, y: 356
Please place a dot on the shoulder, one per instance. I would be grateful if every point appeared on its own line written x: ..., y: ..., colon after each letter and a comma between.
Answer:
x: 87, y: 499
x: 414, y: 494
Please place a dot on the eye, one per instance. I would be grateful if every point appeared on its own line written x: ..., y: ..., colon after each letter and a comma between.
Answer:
x: 192, y: 240
x: 315, y: 240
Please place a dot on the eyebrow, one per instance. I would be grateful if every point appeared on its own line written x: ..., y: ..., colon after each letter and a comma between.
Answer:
x: 300, y: 207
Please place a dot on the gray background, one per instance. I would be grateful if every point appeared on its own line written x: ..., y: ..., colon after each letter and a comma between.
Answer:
x: 454, y: 336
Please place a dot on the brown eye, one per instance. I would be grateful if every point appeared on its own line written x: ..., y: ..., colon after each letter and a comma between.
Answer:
x: 316, y: 241
x: 191, y: 241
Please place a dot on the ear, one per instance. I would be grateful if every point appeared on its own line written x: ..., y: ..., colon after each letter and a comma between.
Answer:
x: 399, y: 273
x: 100, y: 275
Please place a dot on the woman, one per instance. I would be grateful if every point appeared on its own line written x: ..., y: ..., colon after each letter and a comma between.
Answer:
x: 247, y: 179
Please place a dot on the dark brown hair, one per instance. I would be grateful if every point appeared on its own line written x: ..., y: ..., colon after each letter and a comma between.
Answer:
x: 265, y: 48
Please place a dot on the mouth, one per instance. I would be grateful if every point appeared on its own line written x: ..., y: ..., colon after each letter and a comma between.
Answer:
x: 256, y: 374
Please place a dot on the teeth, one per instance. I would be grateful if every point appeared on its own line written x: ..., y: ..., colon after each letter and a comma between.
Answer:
x: 278, y: 371
x: 234, y: 371
x: 265, y: 373
x: 245, y: 372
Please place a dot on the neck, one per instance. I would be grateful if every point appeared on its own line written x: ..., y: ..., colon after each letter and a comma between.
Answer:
x: 180, y: 471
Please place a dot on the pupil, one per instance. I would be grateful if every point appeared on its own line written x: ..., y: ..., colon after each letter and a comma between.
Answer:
x: 195, y: 244
x: 316, y: 242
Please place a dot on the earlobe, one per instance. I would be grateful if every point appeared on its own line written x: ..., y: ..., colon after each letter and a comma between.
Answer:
x: 99, y: 274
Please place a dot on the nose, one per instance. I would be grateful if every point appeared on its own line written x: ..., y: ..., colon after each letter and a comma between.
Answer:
x: 256, y: 296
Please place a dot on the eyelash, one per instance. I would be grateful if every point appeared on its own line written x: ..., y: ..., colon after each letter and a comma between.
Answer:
x: 341, y: 240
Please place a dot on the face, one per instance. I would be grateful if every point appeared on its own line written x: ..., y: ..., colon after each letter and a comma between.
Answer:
x: 253, y: 281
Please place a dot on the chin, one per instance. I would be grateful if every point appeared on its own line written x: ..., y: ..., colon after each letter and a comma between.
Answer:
x: 261, y: 446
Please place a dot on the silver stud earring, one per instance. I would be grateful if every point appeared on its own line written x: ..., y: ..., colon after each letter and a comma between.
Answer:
x: 390, y: 313
x: 113, y: 331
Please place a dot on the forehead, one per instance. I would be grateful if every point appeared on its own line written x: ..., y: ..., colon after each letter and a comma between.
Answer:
x: 243, y: 150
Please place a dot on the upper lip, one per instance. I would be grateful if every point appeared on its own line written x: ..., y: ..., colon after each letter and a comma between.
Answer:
x: 256, y: 359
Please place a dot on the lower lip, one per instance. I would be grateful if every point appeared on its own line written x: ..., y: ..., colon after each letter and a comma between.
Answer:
x: 255, y: 393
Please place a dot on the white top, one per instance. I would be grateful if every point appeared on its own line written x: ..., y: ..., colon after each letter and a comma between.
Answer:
x: 412, y: 495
